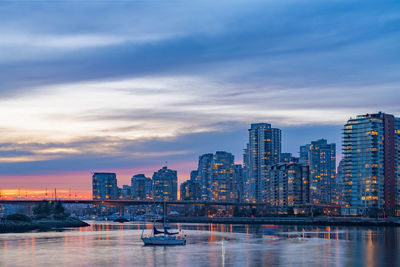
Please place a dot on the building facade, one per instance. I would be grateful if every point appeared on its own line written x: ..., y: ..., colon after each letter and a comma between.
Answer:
x: 304, y: 150
x: 216, y: 177
x: 238, y: 179
x: 204, y: 175
x: 194, y: 176
x: 223, y: 186
x: 165, y: 185
x: 190, y: 190
x: 289, y: 158
x: 289, y: 185
x: 371, y: 145
x: 104, y: 186
x: 141, y: 187
x: 340, y: 183
x: 247, y: 196
x: 321, y: 157
x: 264, y: 150
x: 126, y: 192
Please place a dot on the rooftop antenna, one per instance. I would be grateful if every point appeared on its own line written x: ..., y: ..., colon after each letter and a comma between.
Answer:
x: 166, y: 164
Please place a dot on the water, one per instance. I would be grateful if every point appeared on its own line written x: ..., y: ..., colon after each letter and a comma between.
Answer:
x: 113, y: 244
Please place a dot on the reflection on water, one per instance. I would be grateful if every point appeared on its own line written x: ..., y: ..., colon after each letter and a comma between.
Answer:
x: 113, y: 244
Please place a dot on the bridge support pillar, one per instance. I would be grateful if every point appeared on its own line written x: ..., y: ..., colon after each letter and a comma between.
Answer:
x: 206, y: 208
x: 30, y: 210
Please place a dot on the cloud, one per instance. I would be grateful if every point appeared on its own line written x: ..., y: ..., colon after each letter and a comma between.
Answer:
x: 90, y: 85
x: 295, y: 43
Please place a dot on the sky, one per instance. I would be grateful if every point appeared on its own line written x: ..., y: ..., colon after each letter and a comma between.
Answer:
x: 126, y: 86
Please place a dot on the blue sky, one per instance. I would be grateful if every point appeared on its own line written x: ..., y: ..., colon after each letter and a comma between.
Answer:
x: 109, y: 85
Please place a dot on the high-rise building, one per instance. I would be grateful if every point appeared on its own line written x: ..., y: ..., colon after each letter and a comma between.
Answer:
x: 194, y: 176
x: 222, y: 180
x: 204, y: 175
x: 371, y: 148
x: 289, y: 185
x: 264, y: 150
x: 246, y: 181
x: 216, y: 176
x: 340, y: 183
x: 190, y: 190
x: 126, y: 192
x: 321, y: 157
x: 104, y: 186
x: 165, y: 184
x: 238, y: 181
x: 141, y: 187
x: 304, y: 154
x: 288, y: 158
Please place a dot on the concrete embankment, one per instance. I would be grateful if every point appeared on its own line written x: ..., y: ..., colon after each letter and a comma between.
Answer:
x: 7, y: 226
x: 331, y: 221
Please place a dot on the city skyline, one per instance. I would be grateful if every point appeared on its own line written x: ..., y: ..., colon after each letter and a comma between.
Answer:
x: 199, y: 133
x: 124, y: 87
x: 124, y: 176
x: 366, y: 182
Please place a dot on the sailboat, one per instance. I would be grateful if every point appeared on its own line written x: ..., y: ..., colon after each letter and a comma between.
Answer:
x: 164, y: 238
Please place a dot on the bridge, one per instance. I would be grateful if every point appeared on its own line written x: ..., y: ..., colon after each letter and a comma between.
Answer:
x: 122, y: 203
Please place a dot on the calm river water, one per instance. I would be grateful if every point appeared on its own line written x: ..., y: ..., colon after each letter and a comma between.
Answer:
x: 113, y: 244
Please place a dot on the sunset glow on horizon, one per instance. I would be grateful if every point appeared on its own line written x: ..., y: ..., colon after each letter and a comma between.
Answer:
x: 126, y: 87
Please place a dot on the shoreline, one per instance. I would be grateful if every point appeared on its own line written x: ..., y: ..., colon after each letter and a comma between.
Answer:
x: 318, y: 221
x: 8, y: 226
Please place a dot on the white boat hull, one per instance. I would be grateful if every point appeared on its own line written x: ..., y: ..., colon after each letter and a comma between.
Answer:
x: 163, y: 240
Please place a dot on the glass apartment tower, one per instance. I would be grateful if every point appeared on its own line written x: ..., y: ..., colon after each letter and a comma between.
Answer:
x: 141, y: 187
x: 191, y: 189
x: 104, y: 186
x: 264, y: 150
x: 204, y: 175
x: 222, y: 177
x: 289, y: 185
x: 165, y: 185
x: 216, y: 176
x: 321, y: 157
x: 371, y: 145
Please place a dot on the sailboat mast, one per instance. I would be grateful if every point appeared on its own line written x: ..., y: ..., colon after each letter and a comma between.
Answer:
x: 165, y: 213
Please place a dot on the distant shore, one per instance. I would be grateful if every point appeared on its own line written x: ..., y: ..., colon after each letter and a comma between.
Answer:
x: 322, y: 221
x: 9, y: 226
